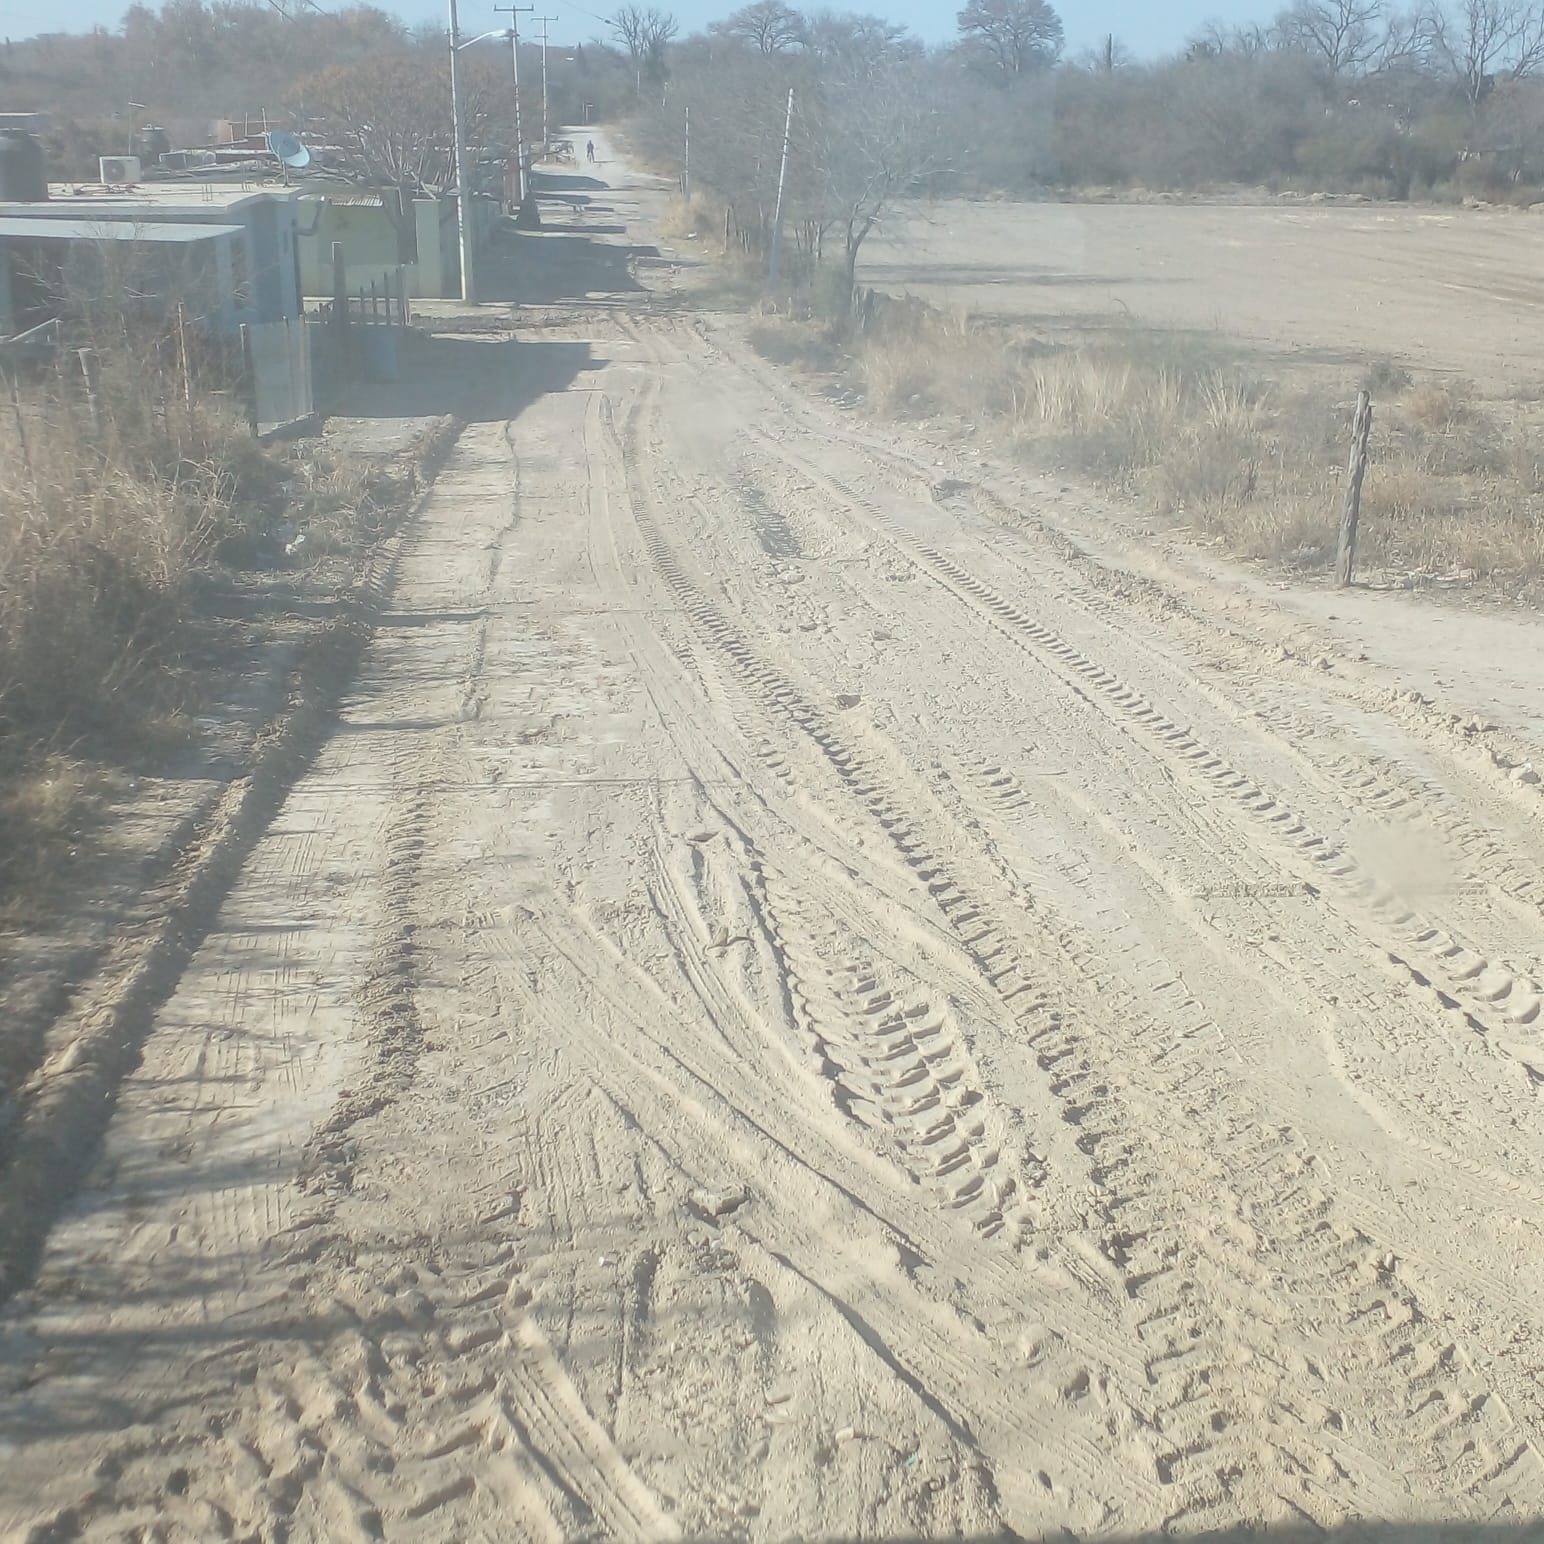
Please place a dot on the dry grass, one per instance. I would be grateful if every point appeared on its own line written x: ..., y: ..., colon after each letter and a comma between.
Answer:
x: 44, y: 812
x: 97, y: 542
x: 691, y: 219
x: 1455, y: 486
x: 104, y: 541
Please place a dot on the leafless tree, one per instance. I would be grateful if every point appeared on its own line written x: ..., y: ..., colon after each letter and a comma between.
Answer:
x: 855, y: 39
x: 1013, y: 36
x: 391, y: 115
x: 1483, y: 40
x: 769, y: 26
x: 1345, y: 35
x: 645, y: 32
x: 1216, y: 41
x: 875, y: 138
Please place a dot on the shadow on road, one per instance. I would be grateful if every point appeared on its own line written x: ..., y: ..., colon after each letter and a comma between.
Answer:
x: 481, y: 378
x: 548, y: 267
x: 543, y: 183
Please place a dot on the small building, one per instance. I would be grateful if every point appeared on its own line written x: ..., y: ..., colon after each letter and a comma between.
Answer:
x: 155, y: 264
x: 264, y: 257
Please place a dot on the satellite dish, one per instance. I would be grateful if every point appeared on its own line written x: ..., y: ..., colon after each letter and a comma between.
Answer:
x: 287, y: 148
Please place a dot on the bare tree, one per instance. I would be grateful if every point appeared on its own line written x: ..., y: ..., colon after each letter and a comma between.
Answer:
x: 391, y: 113
x: 1014, y: 36
x: 1215, y: 41
x: 875, y: 139
x: 1353, y: 38
x: 768, y: 25
x: 644, y: 32
x: 1345, y: 35
x: 855, y: 39
x: 1482, y: 40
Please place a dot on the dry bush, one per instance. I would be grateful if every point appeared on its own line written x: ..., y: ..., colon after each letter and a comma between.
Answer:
x: 695, y: 219
x: 789, y: 340
x: 1436, y: 407
x: 98, y: 542
x: 916, y: 361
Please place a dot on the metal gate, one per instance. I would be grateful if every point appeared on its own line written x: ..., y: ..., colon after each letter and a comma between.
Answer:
x: 279, y: 359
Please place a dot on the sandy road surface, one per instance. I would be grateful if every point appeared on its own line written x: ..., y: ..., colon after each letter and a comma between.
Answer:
x: 1445, y: 289
x: 798, y: 1004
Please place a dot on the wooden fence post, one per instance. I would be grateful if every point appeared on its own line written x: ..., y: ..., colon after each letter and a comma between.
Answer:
x: 1356, y: 470
x: 339, y: 296
x: 184, y: 364
x: 249, y: 378
x: 21, y: 431
x: 93, y: 374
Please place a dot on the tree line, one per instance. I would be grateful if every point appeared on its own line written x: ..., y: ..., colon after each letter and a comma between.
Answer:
x: 1368, y: 96
x: 1332, y: 95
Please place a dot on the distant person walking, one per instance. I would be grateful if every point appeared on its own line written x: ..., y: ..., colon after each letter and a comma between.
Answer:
x: 589, y: 150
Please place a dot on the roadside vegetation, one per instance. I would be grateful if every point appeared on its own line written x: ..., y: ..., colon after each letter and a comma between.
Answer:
x: 1196, y: 434
x: 1430, y: 99
x: 124, y: 528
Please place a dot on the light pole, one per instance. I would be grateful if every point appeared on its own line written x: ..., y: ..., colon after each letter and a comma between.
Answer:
x: 464, y: 202
x: 468, y: 240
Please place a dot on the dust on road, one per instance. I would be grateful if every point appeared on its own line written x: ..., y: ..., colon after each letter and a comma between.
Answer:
x: 797, y: 1003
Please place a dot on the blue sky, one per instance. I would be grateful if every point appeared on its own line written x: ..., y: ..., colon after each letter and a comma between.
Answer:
x: 1145, y: 27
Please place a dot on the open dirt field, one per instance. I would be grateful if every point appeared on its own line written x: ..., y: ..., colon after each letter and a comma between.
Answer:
x: 1451, y: 290
x: 816, y: 991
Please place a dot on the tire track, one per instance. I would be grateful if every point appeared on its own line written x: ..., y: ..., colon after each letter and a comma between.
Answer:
x: 1390, y: 1023
x: 1477, y: 983
x: 1186, y: 1329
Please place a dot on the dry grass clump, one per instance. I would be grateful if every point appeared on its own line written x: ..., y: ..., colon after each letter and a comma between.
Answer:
x: 807, y: 344
x: 690, y: 219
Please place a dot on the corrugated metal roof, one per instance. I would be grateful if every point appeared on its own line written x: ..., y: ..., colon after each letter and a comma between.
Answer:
x: 46, y: 229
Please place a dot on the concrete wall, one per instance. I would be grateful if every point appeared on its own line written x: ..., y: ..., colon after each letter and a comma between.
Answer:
x: 439, y: 242
x: 371, y: 245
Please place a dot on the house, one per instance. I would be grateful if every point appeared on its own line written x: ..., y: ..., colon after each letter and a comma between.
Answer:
x: 150, y: 264
x: 260, y: 252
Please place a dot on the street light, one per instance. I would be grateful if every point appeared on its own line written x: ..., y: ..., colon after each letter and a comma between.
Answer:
x: 468, y: 239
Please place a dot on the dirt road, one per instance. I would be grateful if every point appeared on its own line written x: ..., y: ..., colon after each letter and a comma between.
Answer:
x: 800, y: 1003
x: 1451, y: 290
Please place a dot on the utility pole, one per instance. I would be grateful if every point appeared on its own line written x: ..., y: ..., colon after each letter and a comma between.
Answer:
x: 463, y: 185
x: 686, y: 158
x: 544, y: 20
x: 782, y: 174
x: 514, y: 13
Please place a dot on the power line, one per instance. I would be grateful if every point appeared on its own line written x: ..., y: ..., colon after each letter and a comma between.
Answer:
x: 605, y: 21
